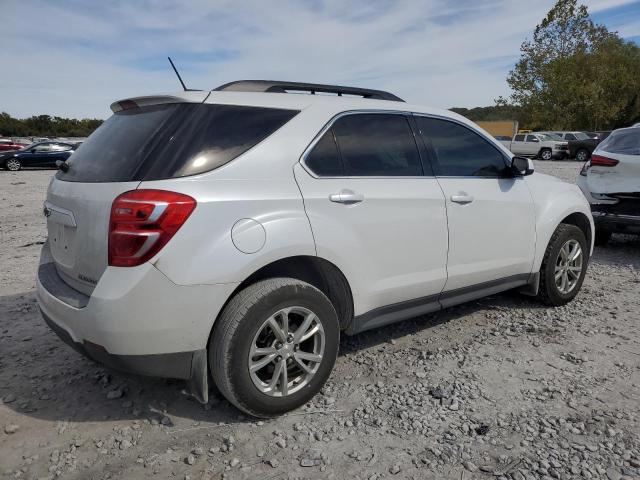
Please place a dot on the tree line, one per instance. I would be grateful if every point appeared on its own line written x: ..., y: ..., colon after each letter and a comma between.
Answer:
x: 47, y: 126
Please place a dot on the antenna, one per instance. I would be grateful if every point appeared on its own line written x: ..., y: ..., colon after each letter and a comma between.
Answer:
x: 184, y: 87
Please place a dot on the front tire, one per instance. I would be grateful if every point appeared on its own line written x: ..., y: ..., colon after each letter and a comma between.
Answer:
x: 564, y: 266
x: 545, y: 154
x: 13, y: 164
x: 274, y: 346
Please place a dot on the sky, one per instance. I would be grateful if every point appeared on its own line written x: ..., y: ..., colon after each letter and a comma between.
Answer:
x: 74, y: 58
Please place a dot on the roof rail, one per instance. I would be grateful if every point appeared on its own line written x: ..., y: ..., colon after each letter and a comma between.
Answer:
x: 275, y: 86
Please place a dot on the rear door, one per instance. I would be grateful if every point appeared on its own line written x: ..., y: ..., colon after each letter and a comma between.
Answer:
x: 490, y: 214
x: 374, y: 212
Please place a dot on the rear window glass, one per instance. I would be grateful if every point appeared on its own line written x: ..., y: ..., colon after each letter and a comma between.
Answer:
x: 171, y: 140
x: 626, y: 142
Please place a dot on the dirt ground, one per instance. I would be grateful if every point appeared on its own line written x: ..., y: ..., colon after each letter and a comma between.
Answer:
x: 500, y: 388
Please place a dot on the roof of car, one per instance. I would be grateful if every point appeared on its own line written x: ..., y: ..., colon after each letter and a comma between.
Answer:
x: 293, y: 95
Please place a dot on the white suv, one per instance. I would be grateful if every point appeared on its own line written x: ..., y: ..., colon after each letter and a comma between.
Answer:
x: 236, y: 233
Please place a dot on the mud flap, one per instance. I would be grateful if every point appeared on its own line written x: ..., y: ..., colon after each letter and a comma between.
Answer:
x: 531, y: 288
x: 198, y: 381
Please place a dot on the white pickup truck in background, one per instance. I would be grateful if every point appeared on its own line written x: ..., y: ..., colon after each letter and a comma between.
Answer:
x: 539, y: 145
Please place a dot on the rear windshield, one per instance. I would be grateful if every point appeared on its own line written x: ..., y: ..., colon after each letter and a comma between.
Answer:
x: 626, y: 142
x: 171, y: 140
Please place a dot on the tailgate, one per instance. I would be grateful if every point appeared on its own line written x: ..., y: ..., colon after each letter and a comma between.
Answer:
x: 622, y: 178
x: 78, y: 224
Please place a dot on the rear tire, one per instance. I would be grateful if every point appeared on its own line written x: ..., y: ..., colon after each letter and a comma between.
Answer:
x: 244, y: 336
x: 560, y: 279
x: 545, y: 154
x: 13, y: 164
x: 602, y: 237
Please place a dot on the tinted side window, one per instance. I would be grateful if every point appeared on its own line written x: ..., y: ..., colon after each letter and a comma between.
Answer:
x: 569, y: 136
x: 532, y: 138
x: 519, y: 138
x: 324, y: 159
x: 460, y: 151
x: 377, y: 145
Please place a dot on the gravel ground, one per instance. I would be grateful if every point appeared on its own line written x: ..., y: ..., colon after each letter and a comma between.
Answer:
x: 500, y: 388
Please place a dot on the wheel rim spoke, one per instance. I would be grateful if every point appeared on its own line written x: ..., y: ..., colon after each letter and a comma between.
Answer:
x: 300, y: 332
x: 277, y: 329
x: 263, y: 362
x: 308, y: 356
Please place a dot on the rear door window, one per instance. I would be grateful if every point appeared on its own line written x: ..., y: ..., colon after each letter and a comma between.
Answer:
x: 377, y: 145
x: 171, y: 140
x: 519, y: 138
x: 324, y: 160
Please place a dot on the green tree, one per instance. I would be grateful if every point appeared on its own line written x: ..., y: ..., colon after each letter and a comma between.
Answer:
x: 574, y: 74
x: 46, y: 126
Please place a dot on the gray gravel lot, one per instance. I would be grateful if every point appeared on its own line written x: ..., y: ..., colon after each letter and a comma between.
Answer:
x: 500, y: 388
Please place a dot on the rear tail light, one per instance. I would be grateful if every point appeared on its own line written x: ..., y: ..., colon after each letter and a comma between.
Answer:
x: 585, y: 167
x: 142, y: 222
x: 600, y: 161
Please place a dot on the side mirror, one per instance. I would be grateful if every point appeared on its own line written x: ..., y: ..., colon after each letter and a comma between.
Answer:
x: 521, y: 166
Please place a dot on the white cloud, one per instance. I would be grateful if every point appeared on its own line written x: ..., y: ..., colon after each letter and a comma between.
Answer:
x: 81, y: 58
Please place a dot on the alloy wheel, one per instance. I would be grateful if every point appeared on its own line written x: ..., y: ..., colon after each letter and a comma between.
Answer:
x: 13, y: 164
x: 569, y: 265
x: 581, y: 156
x: 286, y: 352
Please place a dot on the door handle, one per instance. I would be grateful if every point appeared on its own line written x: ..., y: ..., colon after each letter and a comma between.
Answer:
x: 462, y: 198
x: 348, y: 197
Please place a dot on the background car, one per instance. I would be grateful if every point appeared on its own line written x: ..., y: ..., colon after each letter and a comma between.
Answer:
x: 537, y: 144
x: 581, y: 144
x: 43, y: 154
x: 7, y: 144
x: 611, y: 183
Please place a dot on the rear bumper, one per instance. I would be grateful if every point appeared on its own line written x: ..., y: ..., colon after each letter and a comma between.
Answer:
x: 169, y: 365
x: 135, y: 320
x: 616, y: 217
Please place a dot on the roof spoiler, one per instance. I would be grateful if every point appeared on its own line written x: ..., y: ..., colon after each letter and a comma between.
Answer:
x: 275, y: 86
x: 190, y: 96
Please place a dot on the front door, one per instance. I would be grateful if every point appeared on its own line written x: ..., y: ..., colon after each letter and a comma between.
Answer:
x: 373, y: 211
x: 490, y: 213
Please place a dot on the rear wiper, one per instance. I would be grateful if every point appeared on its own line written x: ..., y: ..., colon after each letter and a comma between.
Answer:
x: 62, y: 165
